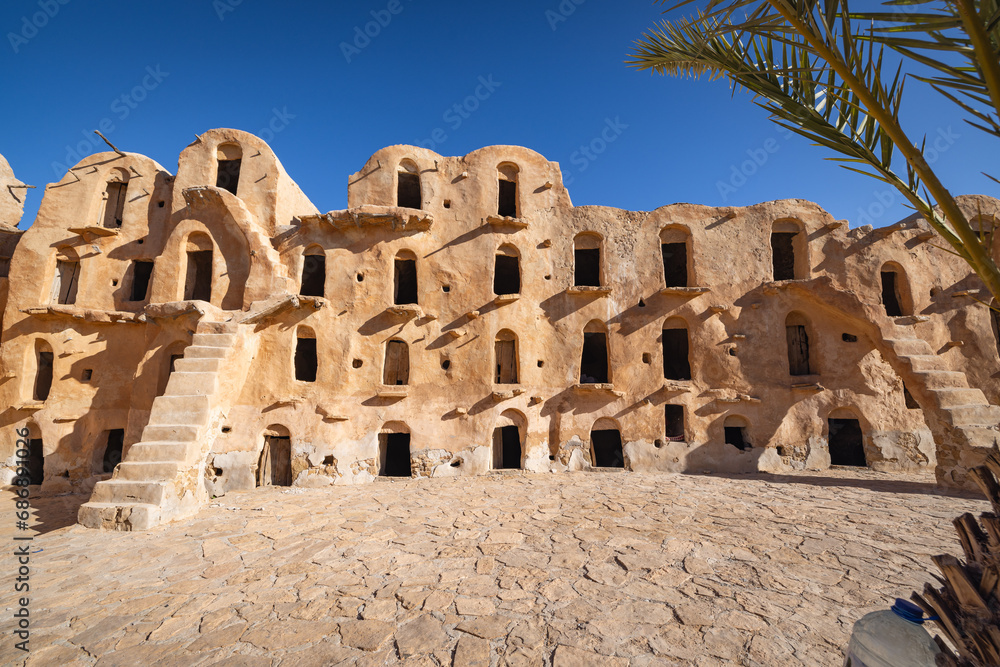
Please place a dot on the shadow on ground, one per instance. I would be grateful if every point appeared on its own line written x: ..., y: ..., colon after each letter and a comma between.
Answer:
x: 869, y: 480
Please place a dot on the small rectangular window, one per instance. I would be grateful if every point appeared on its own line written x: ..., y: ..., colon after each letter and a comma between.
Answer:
x: 676, y: 364
x: 405, y: 284
x: 890, y: 294
x: 508, y: 199
x: 313, y: 275
x: 43, y: 378
x: 673, y: 422
x: 306, y: 361
x: 507, y: 275
x: 408, y: 190
x: 587, y: 268
x: 675, y: 271
x: 594, y: 362
x: 228, y: 177
x: 783, y: 255
x: 142, y: 271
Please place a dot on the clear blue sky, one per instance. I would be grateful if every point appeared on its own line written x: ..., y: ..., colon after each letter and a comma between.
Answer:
x: 555, y: 86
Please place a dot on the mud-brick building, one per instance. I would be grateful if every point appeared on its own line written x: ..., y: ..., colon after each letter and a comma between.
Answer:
x: 169, y: 337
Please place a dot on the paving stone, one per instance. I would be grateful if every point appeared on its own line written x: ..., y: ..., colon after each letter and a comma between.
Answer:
x: 532, y: 570
x: 365, y: 635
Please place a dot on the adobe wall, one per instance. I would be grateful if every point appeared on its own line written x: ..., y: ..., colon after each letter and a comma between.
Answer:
x: 734, y: 311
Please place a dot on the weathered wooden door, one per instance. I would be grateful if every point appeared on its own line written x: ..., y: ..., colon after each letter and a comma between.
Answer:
x: 275, y: 467
x: 798, y: 349
x: 506, y: 353
x: 397, y: 363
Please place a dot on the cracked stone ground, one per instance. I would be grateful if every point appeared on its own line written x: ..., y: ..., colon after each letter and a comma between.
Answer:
x: 568, y: 570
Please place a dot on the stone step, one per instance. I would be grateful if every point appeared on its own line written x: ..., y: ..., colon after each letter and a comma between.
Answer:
x: 198, y: 365
x: 159, y: 451
x: 130, y: 493
x: 171, y: 433
x: 943, y: 379
x: 974, y: 415
x: 191, y: 384
x: 147, y: 471
x: 213, y: 340
x: 217, y: 327
x: 909, y: 346
x: 204, y: 352
x: 952, y: 398
x: 183, y: 410
x: 918, y: 362
x: 115, y: 516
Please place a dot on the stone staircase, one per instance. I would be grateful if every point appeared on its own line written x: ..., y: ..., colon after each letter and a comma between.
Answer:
x: 162, y: 478
x: 951, y: 407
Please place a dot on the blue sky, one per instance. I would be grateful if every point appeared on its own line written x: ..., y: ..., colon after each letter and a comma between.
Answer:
x: 545, y: 74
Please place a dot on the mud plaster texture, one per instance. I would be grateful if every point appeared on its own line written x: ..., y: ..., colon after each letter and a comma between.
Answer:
x: 225, y: 308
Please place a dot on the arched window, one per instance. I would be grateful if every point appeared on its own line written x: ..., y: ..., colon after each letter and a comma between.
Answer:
x: 507, y: 271
x: 735, y: 428
x: 229, y: 159
x: 895, y: 290
x: 800, y: 356
x: 606, y: 445
x: 44, y: 359
x: 115, y: 195
x: 587, y: 260
x: 274, y: 468
x: 674, y: 242
x: 67, y: 277
x: 306, y: 360
x: 788, y: 249
x: 594, y: 359
x: 405, y: 278
x: 676, y: 359
x: 198, y: 275
x: 507, y: 203
x: 396, y: 370
x: 506, y: 357
x: 394, y: 451
x: 313, y: 272
x: 408, y: 193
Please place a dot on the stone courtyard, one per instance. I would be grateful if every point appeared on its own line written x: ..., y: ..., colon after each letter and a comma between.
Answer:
x: 596, y: 568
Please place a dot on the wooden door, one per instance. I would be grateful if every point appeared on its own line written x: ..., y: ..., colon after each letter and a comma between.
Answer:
x: 798, y: 350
